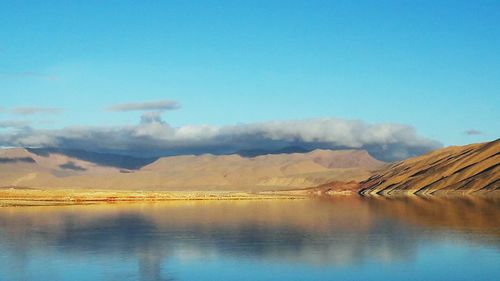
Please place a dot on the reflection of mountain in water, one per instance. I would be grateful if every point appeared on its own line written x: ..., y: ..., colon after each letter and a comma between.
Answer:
x: 322, y: 232
x: 466, y: 215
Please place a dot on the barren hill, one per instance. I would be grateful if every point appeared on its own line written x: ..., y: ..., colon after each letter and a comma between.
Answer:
x: 466, y: 169
x: 52, y: 169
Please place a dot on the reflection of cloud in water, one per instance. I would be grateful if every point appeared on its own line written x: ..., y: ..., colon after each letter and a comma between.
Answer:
x: 321, y: 232
x: 150, y: 264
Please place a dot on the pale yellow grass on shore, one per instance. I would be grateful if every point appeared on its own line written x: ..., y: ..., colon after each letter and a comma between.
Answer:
x: 38, y: 197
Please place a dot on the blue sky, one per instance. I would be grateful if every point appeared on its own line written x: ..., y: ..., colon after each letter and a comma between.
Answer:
x: 433, y: 65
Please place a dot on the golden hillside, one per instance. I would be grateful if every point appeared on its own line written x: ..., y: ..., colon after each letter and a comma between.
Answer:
x: 454, y: 170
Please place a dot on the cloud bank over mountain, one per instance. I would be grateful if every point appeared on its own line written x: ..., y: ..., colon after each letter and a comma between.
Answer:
x: 154, y: 137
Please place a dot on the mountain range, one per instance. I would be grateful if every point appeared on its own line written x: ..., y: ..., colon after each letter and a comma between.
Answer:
x: 53, y: 168
x: 470, y: 169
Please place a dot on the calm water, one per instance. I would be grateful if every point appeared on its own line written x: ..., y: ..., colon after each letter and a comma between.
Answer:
x: 337, y: 239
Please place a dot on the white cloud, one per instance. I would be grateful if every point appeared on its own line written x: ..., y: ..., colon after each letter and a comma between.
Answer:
x: 35, y: 110
x: 160, y: 105
x: 5, y: 124
x: 473, y: 132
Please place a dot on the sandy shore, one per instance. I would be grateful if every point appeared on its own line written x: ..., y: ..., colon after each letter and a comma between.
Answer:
x: 39, y: 197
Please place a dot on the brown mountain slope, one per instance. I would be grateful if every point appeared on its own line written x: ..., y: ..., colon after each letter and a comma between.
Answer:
x: 22, y: 168
x: 466, y: 169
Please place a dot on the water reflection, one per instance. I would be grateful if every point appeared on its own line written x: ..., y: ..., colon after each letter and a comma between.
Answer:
x: 140, y: 240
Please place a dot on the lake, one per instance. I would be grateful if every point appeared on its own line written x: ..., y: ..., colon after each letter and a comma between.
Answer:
x: 344, y: 238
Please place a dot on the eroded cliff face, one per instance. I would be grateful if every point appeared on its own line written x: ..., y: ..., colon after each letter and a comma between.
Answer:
x: 470, y: 169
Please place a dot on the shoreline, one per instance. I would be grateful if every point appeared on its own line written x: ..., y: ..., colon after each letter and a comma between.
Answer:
x: 18, y: 197
x: 61, y: 197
